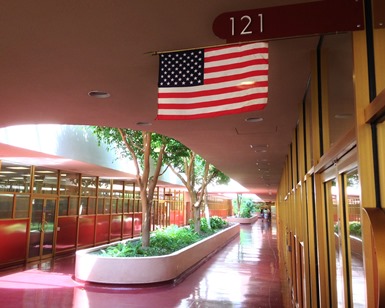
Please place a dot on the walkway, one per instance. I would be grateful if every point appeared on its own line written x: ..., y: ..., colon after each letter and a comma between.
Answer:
x: 243, y: 274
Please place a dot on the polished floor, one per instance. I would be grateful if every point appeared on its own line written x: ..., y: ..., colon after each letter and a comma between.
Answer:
x: 243, y: 274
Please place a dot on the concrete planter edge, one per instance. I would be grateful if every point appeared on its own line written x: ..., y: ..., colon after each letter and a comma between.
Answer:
x: 241, y: 220
x: 144, y: 270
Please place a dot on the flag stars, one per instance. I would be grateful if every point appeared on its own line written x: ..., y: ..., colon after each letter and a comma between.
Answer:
x: 181, y: 69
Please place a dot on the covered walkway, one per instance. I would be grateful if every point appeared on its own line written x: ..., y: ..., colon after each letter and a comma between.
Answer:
x: 243, y: 274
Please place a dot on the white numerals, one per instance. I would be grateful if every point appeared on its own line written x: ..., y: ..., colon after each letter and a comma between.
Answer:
x: 246, y: 22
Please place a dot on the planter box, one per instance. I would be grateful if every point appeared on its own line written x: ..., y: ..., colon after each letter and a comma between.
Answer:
x: 240, y: 220
x: 93, y: 268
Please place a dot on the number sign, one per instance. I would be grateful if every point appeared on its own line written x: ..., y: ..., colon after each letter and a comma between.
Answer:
x: 311, y: 18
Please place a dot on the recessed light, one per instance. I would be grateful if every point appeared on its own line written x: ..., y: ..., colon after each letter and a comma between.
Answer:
x: 99, y: 94
x: 259, y: 146
x: 144, y: 123
x: 18, y: 168
x: 343, y: 116
x: 254, y: 119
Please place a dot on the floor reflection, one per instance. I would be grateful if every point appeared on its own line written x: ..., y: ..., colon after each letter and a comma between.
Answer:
x: 243, y: 274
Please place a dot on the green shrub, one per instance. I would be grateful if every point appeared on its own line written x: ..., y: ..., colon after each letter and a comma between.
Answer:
x: 246, y: 212
x: 123, y: 250
x: 165, y: 241
x: 205, y: 226
x: 337, y: 227
x: 248, y: 207
x: 216, y: 223
x: 355, y: 228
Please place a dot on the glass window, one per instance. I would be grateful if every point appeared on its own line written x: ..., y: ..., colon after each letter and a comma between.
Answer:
x: 63, y: 206
x: 91, y: 206
x: 87, y: 206
x: 126, y: 205
x: 6, y: 205
x: 74, y: 203
x: 104, y: 188
x: 308, y: 131
x: 68, y: 206
x: 138, y: 205
x: 89, y: 185
x: 83, y: 210
x: 340, y: 86
x: 22, y: 206
x: 114, y: 205
x: 69, y: 183
x: 15, y: 178
x: 117, y: 193
x: 100, y: 205
x: 129, y: 189
x: 119, y: 205
x: 117, y: 188
x: 45, y: 181
x: 107, y: 205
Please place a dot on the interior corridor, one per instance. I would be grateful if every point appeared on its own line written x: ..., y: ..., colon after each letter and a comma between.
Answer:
x: 243, y: 274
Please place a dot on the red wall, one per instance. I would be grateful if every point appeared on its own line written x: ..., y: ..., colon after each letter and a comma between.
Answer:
x: 137, y: 223
x: 116, y: 227
x: 13, y: 244
x: 102, y: 228
x: 177, y: 218
x: 66, y: 234
x: 86, y: 230
x: 127, y: 226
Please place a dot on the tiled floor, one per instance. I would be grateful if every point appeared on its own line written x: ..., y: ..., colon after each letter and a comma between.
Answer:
x: 243, y: 274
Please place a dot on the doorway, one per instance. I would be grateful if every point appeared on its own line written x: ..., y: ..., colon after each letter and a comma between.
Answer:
x: 42, y: 228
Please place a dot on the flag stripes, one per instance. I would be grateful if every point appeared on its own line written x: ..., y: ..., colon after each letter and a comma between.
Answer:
x: 234, y: 79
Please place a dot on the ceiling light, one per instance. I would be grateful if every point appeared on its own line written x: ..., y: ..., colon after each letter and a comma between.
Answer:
x: 254, y: 119
x: 18, y: 168
x: 144, y: 123
x: 263, y: 162
x: 99, y: 94
x: 259, y: 148
x: 343, y: 116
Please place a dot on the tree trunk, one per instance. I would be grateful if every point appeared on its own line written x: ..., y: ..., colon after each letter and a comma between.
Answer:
x: 146, y: 221
x: 196, y: 211
x: 197, y: 218
x: 239, y: 201
x: 207, y: 210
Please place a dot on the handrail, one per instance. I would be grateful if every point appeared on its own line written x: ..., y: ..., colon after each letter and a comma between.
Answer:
x: 374, y: 243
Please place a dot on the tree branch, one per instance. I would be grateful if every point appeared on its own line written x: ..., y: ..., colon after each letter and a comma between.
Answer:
x: 131, y: 150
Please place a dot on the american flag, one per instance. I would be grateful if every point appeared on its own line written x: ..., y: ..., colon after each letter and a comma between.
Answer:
x: 212, y: 82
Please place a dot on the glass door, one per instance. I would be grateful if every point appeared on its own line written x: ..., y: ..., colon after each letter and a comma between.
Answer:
x: 346, y: 258
x: 356, y: 255
x: 42, y: 230
x: 333, y: 220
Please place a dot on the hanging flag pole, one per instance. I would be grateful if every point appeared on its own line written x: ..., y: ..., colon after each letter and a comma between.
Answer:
x: 213, y: 81
x: 159, y: 52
